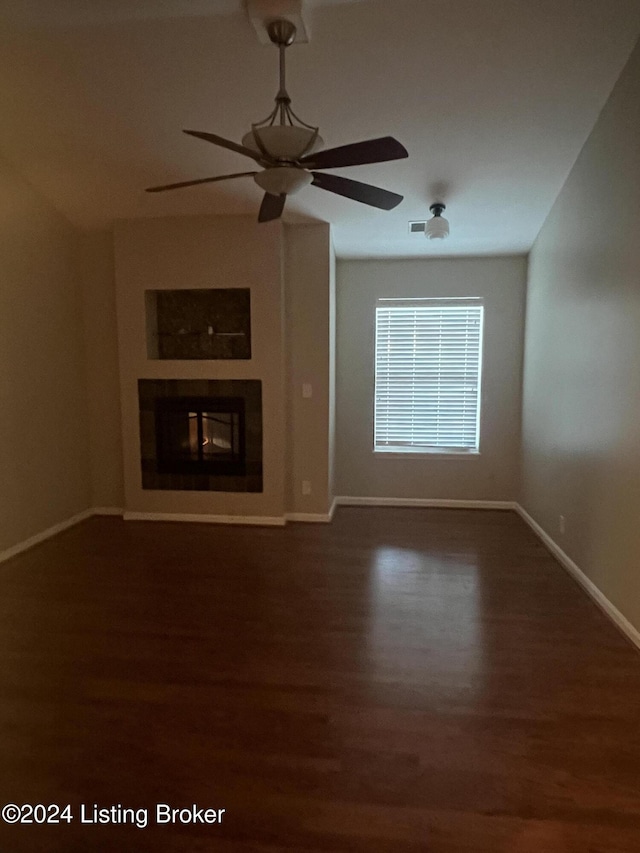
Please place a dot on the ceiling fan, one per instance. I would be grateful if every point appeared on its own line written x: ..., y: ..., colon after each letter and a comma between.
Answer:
x: 287, y: 150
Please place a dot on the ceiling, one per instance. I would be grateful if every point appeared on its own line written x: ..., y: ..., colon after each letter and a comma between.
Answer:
x: 492, y: 98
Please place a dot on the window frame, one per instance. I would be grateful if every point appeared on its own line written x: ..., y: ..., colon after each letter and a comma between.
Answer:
x: 408, y: 452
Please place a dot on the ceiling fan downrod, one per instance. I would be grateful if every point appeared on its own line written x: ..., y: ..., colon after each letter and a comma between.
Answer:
x: 301, y: 138
x: 283, y: 34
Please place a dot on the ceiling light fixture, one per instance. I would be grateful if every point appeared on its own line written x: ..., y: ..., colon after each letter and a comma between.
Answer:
x: 285, y: 149
x: 437, y: 227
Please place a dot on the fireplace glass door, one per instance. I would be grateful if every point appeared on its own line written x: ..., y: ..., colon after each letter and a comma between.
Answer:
x: 200, y: 435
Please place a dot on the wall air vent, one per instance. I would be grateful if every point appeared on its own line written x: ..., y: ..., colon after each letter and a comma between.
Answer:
x: 417, y: 227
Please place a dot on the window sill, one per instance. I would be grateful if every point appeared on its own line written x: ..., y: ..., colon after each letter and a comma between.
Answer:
x: 426, y: 454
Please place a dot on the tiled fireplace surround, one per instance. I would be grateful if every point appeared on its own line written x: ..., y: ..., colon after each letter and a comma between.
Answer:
x: 153, y: 392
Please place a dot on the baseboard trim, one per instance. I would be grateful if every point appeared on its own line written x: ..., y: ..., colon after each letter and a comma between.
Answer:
x: 436, y: 503
x: 254, y: 520
x: 309, y: 517
x: 107, y: 510
x: 610, y: 610
x: 44, y: 534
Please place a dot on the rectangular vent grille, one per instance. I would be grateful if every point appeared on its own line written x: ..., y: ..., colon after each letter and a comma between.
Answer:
x: 417, y: 227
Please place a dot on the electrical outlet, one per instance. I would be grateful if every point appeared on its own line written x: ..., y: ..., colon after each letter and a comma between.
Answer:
x: 561, y: 524
x: 306, y: 487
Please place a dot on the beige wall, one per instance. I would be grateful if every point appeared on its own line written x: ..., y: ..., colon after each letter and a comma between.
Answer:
x: 581, y: 413
x: 95, y: 257
x: 493, y: 474
x: 203, y: 252
x: 308, y: 273
x: 44, y: 445
x: 332, y: 371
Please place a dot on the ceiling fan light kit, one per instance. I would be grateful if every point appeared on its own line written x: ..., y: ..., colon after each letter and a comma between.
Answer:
x: 283, y: 180
x: 437, y: 227
x: 282, y: 142
x: 288, y: 151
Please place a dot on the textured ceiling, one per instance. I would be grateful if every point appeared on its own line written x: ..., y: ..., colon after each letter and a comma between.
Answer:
x: 492, y: 98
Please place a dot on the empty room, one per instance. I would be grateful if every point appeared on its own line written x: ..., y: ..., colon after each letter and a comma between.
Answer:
x: 320, y: 426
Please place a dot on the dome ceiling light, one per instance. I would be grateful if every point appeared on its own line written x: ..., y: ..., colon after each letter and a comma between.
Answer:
x: 437, y: 227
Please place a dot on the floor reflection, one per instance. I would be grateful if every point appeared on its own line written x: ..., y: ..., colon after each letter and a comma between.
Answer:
x: 426, y: 621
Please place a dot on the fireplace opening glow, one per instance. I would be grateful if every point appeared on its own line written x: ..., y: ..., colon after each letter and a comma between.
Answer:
x: 213, y: 434
x: 200, y: 435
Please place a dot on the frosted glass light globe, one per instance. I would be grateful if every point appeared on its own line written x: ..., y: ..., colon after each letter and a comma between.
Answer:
x: 437, y: 228
x: 283, y: 180
x: 283, y: 142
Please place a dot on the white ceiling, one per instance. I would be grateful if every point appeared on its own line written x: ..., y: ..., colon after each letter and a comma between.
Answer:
x: 492, y: 98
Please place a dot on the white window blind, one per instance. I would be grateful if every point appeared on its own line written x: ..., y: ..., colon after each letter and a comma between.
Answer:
x: 427, y: 375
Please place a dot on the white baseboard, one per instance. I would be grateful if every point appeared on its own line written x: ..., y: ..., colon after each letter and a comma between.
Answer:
x: 309, y: 517
x: 314, y: 517
x: 609, y: 609
x: 256, y: 520
x: 437, y: 503
x: 44, y: 534
x: 131, y: 516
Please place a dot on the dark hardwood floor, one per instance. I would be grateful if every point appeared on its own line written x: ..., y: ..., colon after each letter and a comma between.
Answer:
x: 401, y: 680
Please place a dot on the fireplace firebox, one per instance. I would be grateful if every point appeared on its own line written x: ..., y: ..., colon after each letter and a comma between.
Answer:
x: 200, y: 435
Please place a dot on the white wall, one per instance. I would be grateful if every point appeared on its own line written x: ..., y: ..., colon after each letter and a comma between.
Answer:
x: 95, y: 257
x: 332, y: 371
x: 494, y: 473
x: 581, y: 414
x: 44, y: 439
x: 203, y: 252
x: 310, y: 333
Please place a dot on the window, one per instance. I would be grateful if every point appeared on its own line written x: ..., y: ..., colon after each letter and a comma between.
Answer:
x: 427, y: 375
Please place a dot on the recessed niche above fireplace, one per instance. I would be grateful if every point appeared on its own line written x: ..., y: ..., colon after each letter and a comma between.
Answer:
x: 201, y: 434
x: 199, y: 324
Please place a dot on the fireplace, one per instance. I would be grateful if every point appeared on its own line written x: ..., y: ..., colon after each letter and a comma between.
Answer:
x: 200, y: 435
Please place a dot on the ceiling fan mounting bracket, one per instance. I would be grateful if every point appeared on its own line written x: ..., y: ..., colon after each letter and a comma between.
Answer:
x: 263, y: 13
x: 282, y: 32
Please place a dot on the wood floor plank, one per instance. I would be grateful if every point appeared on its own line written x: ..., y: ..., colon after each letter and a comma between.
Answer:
x: 400, y: 680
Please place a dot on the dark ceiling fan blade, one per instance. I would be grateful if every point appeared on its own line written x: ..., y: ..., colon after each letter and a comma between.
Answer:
x: 271, y: 207
x: 357, y: 154
x: 367, y: 194
x: 198, y: 181
x: 226, y: 143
